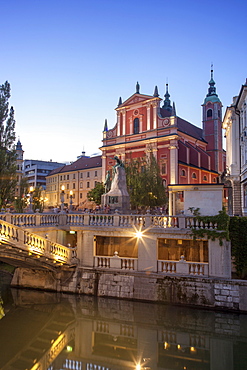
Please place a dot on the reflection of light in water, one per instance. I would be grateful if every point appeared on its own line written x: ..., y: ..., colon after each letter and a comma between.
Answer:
x: 2, y: 314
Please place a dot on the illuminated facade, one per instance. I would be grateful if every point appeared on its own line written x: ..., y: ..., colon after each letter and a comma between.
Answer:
x: 235, y: 125
x: 185, y: 153
x: 77, y: 179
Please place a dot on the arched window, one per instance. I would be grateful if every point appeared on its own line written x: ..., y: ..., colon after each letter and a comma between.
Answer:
x: 209, y: 113
x: 183, y: 173
x: 136, y: 126
x: 193, y: 175
x: 205, y: 178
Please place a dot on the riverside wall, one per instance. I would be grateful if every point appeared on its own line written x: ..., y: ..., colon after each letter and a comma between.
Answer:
x: 214, y: 293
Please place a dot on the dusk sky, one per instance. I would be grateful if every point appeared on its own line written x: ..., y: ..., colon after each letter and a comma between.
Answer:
x: 69, y: 61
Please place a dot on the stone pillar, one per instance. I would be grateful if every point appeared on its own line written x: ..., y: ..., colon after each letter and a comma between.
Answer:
x: 80, y: 247
x: 219, y: 258
x: 147, y: 254
x: 170, y: 203
x: 87, y: 250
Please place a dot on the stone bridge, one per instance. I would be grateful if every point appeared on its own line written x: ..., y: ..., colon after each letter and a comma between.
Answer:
x: 21, y: 248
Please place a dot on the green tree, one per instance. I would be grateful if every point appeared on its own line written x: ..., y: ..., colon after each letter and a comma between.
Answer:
x: 38, y: 203
x: 95, y: 194
x: 21, y: 201
x: 144, y: 183
x: 8, y: 178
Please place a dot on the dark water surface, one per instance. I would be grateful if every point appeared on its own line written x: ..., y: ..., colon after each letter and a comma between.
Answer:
x: 41, y: 331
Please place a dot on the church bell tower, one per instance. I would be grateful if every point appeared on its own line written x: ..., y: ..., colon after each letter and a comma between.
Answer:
x: 212, y: 126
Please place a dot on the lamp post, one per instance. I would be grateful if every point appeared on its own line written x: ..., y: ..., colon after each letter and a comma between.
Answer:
x: 31, y: 199
x: 62, y: 198
x: 70, y: 200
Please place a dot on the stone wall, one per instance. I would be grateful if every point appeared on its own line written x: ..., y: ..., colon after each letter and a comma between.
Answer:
x: 153, y: 287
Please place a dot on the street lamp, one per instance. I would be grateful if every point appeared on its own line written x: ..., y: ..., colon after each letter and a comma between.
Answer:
x: 31, y: 199
x: 71, y: 200
x: 62, y: 198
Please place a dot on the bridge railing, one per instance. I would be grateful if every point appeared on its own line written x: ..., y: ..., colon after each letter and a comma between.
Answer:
x: 34, y: 244
x: 105, y: 220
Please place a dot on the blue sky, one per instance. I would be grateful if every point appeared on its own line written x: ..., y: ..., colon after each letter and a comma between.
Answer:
x: 69, y: 61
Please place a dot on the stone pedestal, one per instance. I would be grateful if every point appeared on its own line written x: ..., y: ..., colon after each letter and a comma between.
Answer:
x: 118, y: 197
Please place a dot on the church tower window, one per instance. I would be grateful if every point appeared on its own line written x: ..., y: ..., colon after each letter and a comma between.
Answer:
x: 136, y: 126
x: 209, y: 113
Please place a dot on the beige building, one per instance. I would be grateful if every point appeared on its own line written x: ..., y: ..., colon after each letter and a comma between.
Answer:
x: 75, y: 180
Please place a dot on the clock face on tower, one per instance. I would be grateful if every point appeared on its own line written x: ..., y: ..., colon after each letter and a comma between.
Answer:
x: 166, y: 122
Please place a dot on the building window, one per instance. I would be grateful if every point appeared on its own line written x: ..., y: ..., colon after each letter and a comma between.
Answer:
x: 88, y: 184
x: 164, y: 182
x: 183, y: 173
x: 96, y: 173
x: 81, y: 184
x: 67, y: 186
x: 73, y: 185
x: 209, y: 113
x: 80, y: 195
x: 67, y: 177
x: 74, y: 176
x: 205, y: 178
x: 136, y: 126
x: 193, y: 175
x: 163, y: 169
x: 214, y: 180
x: 64, y: 177
x: 95, y: 183
x: 88, y: 174
x: 81, y: 175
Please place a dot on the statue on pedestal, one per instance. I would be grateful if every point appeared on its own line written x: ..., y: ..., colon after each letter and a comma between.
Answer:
x: 117, y: 198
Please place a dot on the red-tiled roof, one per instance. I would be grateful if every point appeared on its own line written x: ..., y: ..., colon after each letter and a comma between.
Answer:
x: 190, y: 129
x: 81, y: 164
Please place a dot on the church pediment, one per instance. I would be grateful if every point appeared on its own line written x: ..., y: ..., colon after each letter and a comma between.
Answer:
x: 136, y: 98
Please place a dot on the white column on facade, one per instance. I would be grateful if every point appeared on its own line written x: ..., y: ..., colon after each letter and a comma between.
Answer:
x: 155, y: 114
x: 140, y: 120
x: 170, y: 203
x: 131, y: 126
x: 173, y: 163
x: 124, y: 122
x: 118, y: 123
x: 148, y: 117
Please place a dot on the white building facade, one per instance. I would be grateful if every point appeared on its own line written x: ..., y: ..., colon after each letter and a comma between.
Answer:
x: 235, y: 124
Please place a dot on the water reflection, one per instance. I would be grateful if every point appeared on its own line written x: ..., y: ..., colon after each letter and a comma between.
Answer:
x: 43, y: 331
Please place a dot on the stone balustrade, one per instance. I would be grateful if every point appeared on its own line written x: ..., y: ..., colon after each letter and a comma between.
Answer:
x: 105, y: 220
x: 34, y: 244
x: 116, y: 262
x: 183, y: 267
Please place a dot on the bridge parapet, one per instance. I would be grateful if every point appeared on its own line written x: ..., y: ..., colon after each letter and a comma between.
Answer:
x: 35, y: 245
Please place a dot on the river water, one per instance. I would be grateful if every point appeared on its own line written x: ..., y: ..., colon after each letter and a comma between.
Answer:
x: 49, y: 331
